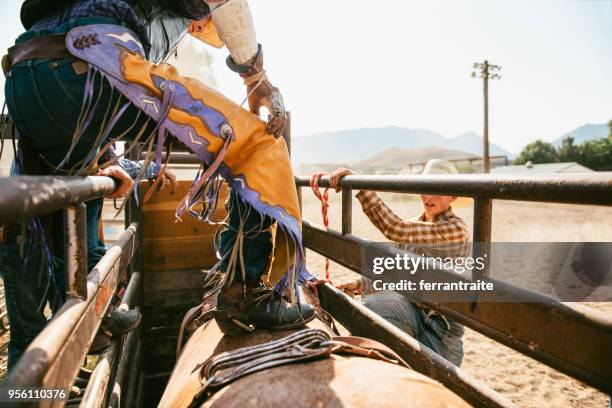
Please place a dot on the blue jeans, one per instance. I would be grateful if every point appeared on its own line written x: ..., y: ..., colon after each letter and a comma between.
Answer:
x: 27, y: 285
x: 44, y: 100
x: 431, y: 330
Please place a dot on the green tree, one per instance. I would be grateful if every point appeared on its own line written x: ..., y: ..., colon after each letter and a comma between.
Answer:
x: 596, y: 154
x: 568, y: 151
x: 537, y: 152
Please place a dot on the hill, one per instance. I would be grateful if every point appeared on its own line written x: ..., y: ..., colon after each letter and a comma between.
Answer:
x: 353, y: 145
x: 472, y: 142
x: 390, y: 161
x: 584, y: 133
x: 400, y: 158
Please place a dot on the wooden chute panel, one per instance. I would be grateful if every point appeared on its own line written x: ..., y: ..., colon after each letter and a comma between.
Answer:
x: 168, y: 245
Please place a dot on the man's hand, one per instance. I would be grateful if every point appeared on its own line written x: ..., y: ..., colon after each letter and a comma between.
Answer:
x: 261, y: 92
x: 167, y: 178
x: 336, y: 176
x: 125, y: 181
x: 350, y: 287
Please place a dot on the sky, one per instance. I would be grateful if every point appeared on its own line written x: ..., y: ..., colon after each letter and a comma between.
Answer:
x: 344, y: 64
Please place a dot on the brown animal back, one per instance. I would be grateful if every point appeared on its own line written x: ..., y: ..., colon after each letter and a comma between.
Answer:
x: 340, y: 381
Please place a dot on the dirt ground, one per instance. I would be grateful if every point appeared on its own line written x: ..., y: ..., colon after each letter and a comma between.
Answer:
x: 523, y: 380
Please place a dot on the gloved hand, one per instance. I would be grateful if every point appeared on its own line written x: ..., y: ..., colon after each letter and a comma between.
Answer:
x: 261, y: 92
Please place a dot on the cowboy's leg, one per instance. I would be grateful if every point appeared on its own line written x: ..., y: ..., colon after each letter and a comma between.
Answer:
x: 397, y: 309
x: 26, y: 288
x: 444, y: 336
x: 256, y: 252
x: 432, y: 330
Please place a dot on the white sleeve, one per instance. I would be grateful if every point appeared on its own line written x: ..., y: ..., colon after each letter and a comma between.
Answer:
x: 234, y: 23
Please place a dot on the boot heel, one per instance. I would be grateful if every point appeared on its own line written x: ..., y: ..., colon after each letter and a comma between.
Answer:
x: 229, y: 328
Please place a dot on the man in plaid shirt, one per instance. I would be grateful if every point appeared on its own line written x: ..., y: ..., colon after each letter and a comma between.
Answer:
x: 436, y: 232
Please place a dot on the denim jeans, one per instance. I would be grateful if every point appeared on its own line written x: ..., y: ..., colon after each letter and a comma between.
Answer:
x: 26, y: 286
x: 44, y: 100
x: 431, y: 330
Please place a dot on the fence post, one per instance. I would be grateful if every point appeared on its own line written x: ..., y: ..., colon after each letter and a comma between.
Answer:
x: 132, y: 214
x: 75, y: 244
x: 347, y: 210
x: 481, y: 242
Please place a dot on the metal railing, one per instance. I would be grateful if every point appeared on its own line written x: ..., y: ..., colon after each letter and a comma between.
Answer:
x: 56, y: 355
x: 54, y: 358
x: 537, y: 326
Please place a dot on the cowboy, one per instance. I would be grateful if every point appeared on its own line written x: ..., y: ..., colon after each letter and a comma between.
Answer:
x: 437, y: 231
x: 84, y: 69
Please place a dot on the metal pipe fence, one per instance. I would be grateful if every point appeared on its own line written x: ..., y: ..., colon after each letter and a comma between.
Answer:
x: 518, y: 324
x: 54, y: 358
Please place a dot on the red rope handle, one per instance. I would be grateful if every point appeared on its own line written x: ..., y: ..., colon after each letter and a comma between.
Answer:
x: 324, y: 198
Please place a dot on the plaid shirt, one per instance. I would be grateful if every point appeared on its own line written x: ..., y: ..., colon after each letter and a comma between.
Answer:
x: 446, y: 235
x: 116, y: 9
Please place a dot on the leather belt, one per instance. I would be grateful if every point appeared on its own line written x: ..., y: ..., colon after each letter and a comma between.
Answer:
x: 44, y: 47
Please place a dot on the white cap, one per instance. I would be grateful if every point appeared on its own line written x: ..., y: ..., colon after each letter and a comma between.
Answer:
x: 440, y: 166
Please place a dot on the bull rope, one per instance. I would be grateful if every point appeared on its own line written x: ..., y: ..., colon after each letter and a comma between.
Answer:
x: 324, y: 198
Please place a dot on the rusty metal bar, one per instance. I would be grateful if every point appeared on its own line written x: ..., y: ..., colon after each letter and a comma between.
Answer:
x: 141, y: 389
x: 75, y: 243
x: 591, y: 188
x: 483, y: 217
x: 54, y: 357
x: 132, y: 214
x: 135, y: 370
x: 347, y: 211
x: 361, y: 321
x: 132, y: 298
x: 526, y: 321
x: 126, y: 363
x: 135, y: 216
x: 96, y: 393
x: 28, y: 196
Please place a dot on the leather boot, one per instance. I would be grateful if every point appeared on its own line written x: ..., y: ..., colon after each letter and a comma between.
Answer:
x: 241, y: 308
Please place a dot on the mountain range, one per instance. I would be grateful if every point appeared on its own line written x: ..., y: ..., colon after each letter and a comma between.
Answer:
x: 352, y: 145
x: 399, y: 158
x: 355, y: 145
x: 585, y: 132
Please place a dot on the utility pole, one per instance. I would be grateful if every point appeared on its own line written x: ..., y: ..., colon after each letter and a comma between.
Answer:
x: 486, y: 71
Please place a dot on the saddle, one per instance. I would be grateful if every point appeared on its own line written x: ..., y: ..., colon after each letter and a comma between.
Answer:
x: 302, y: 346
